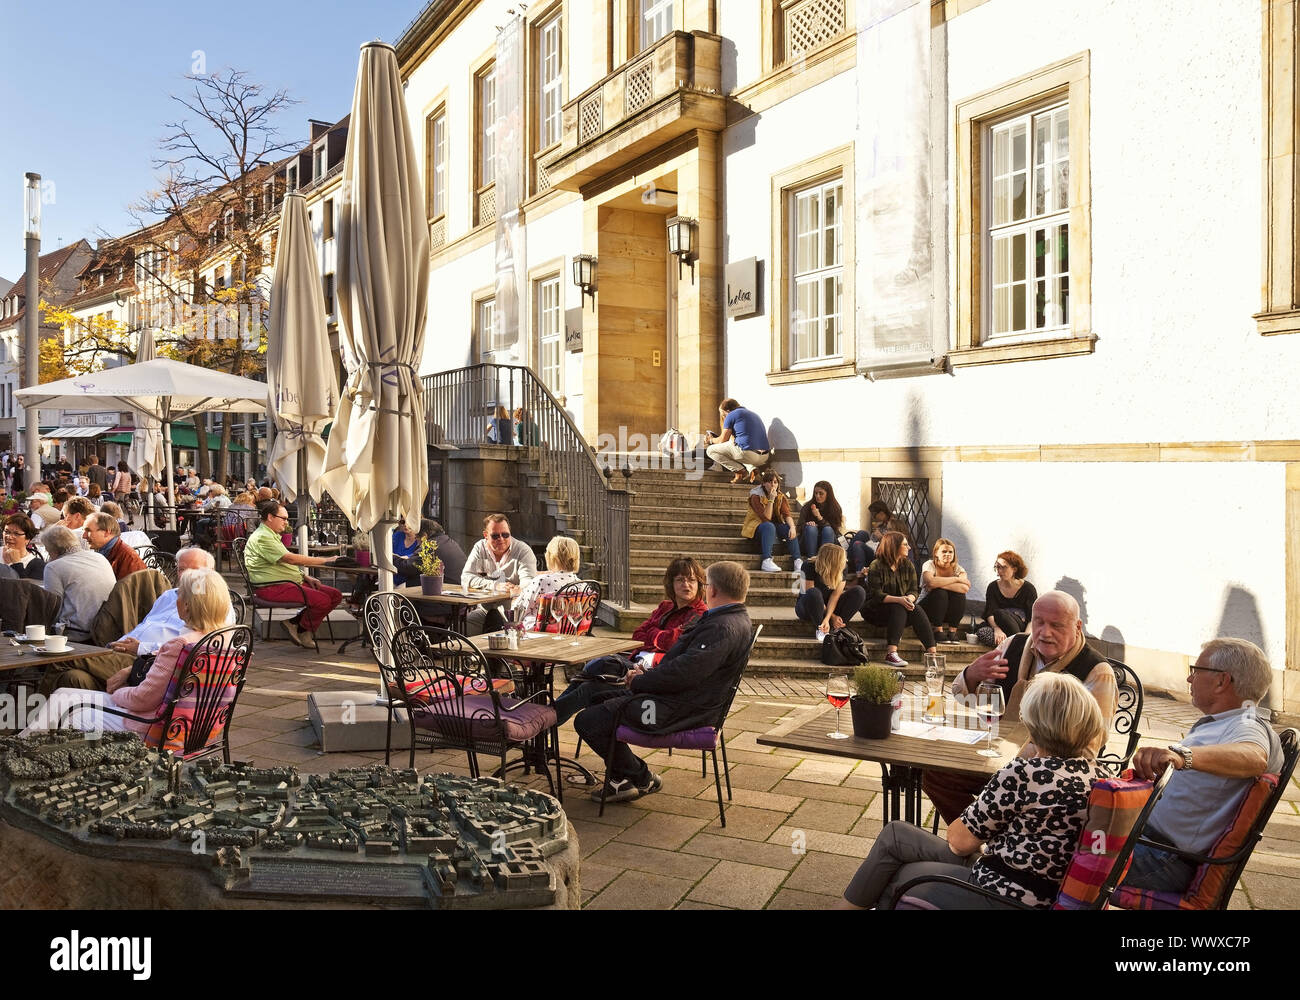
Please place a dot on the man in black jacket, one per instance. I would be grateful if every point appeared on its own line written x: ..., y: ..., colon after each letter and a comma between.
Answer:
x: 684, y: 691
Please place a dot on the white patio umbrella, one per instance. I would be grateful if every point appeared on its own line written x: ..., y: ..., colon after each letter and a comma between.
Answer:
x: 376, y: 463
x: 146, y: 455
x: 299, y: 366
x: 163, y: 389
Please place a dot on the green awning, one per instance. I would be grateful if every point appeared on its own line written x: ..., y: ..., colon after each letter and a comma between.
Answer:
x: 183, y: 436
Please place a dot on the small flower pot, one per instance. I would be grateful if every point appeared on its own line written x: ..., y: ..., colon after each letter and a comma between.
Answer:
x: 430, y: 586
x: 870, y: 720
x: 363, y: 557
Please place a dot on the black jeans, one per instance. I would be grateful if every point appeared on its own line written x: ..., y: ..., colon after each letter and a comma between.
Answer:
x: 811, y: 606
x: 894, y: 617
x: 944, y: 607
x: 596, y: 725
x: 1010, y: 622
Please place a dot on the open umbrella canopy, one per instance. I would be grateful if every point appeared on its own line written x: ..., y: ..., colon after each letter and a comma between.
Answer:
x: 376, y: 464
x: 161, y: 388
x: 299, y: 366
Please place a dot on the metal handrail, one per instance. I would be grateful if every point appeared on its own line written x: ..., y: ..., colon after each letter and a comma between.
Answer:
x: 460, y: 407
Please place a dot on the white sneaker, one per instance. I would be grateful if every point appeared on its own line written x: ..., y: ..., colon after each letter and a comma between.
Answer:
x: 770, y: 566
x: 798, y: 565
x: 820, y: 635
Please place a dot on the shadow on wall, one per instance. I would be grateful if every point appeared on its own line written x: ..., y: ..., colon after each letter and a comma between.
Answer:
x: 1111, y: 638
x: 782, y: 441
x: 1240, y: 618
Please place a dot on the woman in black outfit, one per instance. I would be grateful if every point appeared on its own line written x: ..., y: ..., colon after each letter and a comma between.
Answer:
x: 1009, y: 601
x: 892, y: 595
x: 18, y: 534
x: 828, y: 601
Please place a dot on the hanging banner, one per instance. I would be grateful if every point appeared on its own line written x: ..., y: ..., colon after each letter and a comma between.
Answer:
x: 509, y: 147
x: 895, y: 266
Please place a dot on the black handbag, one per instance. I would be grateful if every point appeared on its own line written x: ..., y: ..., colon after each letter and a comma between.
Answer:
x: 843, y: 648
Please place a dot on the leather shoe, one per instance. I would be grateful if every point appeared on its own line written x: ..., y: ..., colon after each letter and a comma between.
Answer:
x: 298, y: 638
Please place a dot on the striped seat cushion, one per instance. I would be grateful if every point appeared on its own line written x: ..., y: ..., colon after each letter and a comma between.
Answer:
x: 1113, y: 808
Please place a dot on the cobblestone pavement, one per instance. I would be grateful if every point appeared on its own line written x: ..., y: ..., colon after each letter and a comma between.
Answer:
x: 667, y: 850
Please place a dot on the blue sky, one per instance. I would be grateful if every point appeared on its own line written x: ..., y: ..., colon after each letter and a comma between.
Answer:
x: 86, y: 88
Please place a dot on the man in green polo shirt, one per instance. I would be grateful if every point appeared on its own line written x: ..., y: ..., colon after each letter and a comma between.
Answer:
x: 277, y: 576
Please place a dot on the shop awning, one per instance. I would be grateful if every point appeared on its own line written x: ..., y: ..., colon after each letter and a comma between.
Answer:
x: 65, y: 433
x: 183, y: 436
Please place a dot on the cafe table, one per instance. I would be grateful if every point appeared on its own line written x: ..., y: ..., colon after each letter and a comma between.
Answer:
x: 460, y: 600
x: 539, y: 653
x: 18, y: 654
x: 904, y: 756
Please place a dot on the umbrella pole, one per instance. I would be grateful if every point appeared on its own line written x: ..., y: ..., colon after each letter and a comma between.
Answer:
x: 303, y: 501
x: 381, y: 544
x: 171, y: 477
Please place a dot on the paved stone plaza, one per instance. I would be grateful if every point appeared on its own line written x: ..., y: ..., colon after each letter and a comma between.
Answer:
x: 667, y: 850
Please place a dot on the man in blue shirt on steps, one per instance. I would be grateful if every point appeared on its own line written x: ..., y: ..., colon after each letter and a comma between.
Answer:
x: 743, y: 447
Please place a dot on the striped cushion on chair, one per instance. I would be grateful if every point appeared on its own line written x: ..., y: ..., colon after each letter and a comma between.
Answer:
x: 1113, y: 808
x: 1207, y: 884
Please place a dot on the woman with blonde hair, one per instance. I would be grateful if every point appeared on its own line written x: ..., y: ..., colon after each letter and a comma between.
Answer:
x: 828, y: 601
x: 562, y: 560
x: 203, y: 604
x: 1027, y: 819
x: 943, y: 590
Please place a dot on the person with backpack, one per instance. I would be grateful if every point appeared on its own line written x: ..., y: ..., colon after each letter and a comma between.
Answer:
x: 828, y: 601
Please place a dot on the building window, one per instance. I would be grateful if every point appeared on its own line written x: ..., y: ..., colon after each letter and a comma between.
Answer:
x: 803, y: 26
x: 1029, y: 232
x: 291, y: 178
x: 318, y: 163
x: 656, y: 20
x: 485, y: 333
x: 327, y: 284
x: 550, y: 334
x: 550, y: 83
x: 435, y: 169
x: 327, y: 220
x: 1023, y: 218
x: 817, y: 272
x: 485, y: 88
x: 219, y: 279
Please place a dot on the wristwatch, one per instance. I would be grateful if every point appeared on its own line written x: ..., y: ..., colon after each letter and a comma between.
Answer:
x: 1183, y: 752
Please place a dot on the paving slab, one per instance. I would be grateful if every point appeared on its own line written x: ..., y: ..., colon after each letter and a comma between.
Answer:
x: 636, y: 857
x: 634, y: 890
x: 749, y: 852
x: 747, y: 887
x: 665, y: 830
x: 828, y: 874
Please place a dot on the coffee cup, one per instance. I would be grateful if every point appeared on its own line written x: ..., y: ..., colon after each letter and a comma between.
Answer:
x: 35, y: 632
x: 56, y: 643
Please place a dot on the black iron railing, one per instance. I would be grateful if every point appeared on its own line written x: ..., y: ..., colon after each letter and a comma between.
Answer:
x: 472, y: 406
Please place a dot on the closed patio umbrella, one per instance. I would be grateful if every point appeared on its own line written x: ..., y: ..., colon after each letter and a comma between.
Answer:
x: 376, y: 463
x: 146, y: 455
x: 299, y: 366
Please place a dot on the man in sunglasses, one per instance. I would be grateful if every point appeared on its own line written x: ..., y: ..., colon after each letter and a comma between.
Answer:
x: 497, y: 561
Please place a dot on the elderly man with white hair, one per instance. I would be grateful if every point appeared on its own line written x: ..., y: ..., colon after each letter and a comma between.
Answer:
x: 81, y: 577
x: 1055, y: 642
x: 1218, y: 760
x: 163, y: 622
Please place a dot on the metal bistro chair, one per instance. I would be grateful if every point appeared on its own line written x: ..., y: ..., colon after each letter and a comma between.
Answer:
x: 1128, y: 714
x: 1118, y: 809
x: 584, y: 594
x: 163, y: 562
x: 706, y: 739
x: 194, y: 717
x: 1216, y: 877
x: 384, y: 615
x: 237, y: 548
x: 453, y: 702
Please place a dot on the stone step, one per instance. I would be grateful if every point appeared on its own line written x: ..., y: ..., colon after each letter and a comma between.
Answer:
x: 710, y: 509
x: 681, y: 544
x: 646, y: 558
x: 686, y: 525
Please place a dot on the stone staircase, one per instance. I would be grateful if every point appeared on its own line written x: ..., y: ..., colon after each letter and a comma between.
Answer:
x: 672, y: 515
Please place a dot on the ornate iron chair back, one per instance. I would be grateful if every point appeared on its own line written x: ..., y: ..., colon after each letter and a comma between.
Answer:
x: 163, y: 562
x: 584, y: 594
x: 385, y: 614
x: 1128, y: 714
x: 445, y: 682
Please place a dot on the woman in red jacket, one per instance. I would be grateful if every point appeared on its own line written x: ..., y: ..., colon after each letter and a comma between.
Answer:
x: 203, y: 604
x: 681, y: 608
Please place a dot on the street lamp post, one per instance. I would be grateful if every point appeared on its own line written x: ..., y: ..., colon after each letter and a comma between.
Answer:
x: 31, y: 321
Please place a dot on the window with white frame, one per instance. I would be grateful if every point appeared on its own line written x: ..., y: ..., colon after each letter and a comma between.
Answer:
x: 656, y: 20
x: 318, y: 163
x: 436, y: 138
x: 291, y: 178
x: 550, y: 334
x: 550, y: 83
x: 817, y: 271
x: 1029, y: 225
x: 485, y: 324
x: 487, y: 117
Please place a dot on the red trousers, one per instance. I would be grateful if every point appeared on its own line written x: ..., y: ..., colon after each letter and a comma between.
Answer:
x: 951, y: 793
x: 321, y: 600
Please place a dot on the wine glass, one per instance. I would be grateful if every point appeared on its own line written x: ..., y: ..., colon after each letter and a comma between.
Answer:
x: 989, y: 706
x: 837, y: 693
x: 560, y: 612
x: 575, y: 613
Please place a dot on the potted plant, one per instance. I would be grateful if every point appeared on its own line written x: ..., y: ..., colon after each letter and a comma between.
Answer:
x: 430, y: 566
x: 873, y: 704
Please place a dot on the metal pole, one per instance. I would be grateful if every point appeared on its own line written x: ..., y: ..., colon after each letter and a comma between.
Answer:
x: 31, y: 326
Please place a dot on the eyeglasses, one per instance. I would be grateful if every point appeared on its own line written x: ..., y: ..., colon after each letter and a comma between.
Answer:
x: 1001, y: 565
x: 1192, y: 668
x: 496, y: 536
x: 15, y: 533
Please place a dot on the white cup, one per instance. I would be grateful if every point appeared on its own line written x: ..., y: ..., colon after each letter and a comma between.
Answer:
x: 56, y: 643
x: 35, y: 632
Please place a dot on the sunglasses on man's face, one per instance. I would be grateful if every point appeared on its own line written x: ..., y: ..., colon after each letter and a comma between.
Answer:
x: 496, y: 536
